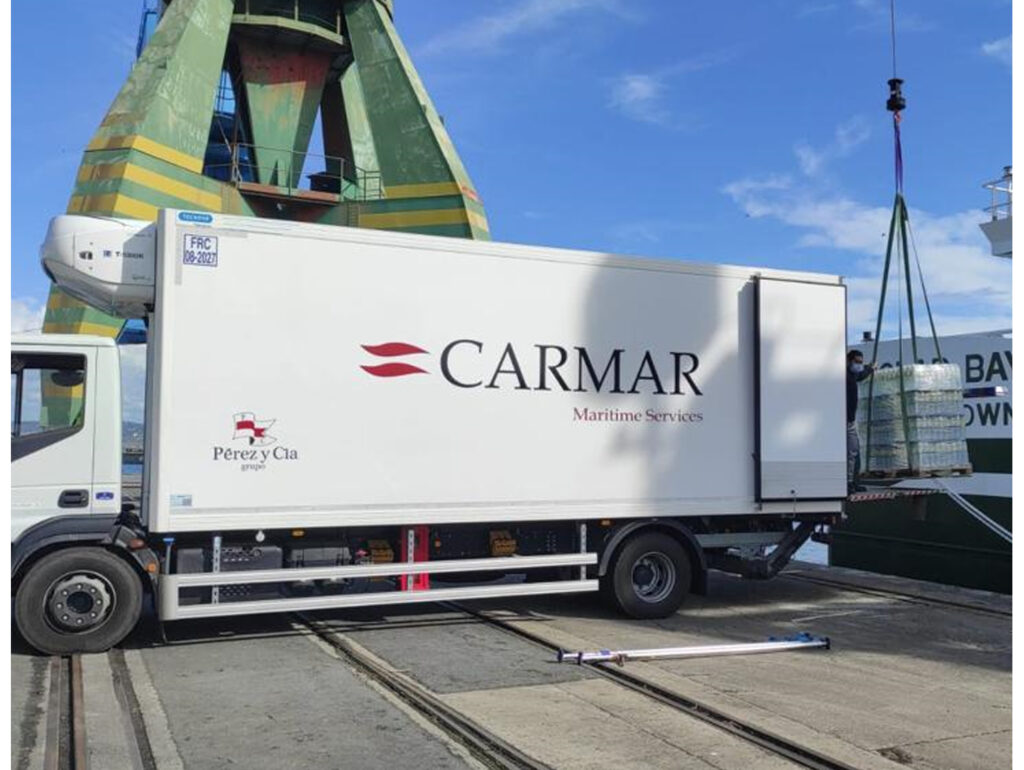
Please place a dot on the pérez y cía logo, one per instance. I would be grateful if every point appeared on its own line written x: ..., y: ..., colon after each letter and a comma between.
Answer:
x: 260, y: 444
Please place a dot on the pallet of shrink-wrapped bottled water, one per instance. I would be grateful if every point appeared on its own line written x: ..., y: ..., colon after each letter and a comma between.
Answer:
x: 917, y: 427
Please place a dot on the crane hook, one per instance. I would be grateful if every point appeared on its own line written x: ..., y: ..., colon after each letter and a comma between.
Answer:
x: 896, y: 102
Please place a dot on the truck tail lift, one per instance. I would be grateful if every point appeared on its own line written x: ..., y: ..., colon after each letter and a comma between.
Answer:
x: 801, y: 641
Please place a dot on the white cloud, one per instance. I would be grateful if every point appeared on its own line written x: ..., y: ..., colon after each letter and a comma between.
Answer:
x: 851, y: 134
x: 848, y: 136
x: 642, y: 96
x: 960, y: 274
x: 27, y: 315
x: 811, y: 161
x: 1001, y: 50
x: 486, y: 34
x: 744, y: 187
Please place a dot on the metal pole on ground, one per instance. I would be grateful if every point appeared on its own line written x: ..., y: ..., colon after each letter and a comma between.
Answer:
x: 802, y: 641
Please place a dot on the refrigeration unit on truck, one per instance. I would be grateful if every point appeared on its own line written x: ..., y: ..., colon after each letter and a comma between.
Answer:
x: 338, y: 417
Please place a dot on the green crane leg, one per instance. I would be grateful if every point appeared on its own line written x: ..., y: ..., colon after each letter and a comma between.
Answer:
x: 427, y: 189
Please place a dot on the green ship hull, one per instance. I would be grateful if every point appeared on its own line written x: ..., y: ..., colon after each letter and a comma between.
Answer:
x: 931, y: 537
x: 930, y: 542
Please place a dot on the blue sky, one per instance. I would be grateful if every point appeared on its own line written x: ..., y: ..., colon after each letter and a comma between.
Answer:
x: 746, y: 132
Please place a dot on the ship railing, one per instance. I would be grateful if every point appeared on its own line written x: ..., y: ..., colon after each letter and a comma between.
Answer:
x: 1002, y: 195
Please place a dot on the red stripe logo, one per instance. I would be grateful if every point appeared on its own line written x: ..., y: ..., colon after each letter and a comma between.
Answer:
x: 392, y: 350
x: 392, y: 370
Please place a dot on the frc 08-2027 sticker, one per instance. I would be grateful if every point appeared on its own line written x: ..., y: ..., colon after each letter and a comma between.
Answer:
x: 200, y: 250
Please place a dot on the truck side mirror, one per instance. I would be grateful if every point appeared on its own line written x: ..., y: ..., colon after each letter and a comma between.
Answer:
x: 68, y: 378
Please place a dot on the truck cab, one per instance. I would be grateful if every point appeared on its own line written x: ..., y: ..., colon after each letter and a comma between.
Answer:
x: 65, y: 429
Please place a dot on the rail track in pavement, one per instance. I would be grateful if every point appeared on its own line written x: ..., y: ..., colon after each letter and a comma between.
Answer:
x: 493, y: 751
x: 765, y: 739
x: 66, y: 741
x: 65, y: 745
x: 486, y: 747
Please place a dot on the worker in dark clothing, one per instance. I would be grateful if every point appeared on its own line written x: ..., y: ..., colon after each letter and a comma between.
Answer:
x: 856, y: 370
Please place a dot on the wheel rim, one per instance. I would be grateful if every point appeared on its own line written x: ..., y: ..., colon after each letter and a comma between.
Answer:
x: 654, y: 577
x: 79, y: 601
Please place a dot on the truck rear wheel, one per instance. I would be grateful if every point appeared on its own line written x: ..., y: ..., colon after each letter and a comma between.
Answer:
x: 78, y: 600
x: 649, y: 576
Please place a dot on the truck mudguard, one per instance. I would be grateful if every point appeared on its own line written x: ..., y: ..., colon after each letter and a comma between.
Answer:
x: 88, y: 528
x: 620, y: 533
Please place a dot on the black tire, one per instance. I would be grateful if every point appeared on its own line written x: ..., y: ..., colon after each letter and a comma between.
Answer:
x: 649, y: 576
x: 103, y: 594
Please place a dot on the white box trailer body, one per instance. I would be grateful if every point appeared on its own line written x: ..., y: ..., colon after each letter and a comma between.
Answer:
x: 401, y: 379
x: 317, y: 377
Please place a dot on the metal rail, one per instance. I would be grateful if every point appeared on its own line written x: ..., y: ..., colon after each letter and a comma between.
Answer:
x: 284, y: 168
x: 769, y: 741
x: 171, y: 607
x: 138, y: 748
x: 65, y: 716
x: 66, y: 745
x: 291, y: 575
x: 485, y: 746
x: 802, y: 642
x: 55, y: 717
x: 1002, y: 195
x: 902, y: 596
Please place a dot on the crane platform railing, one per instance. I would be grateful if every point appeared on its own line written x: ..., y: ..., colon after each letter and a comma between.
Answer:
x: 283, y: 172
x: 289, y: 9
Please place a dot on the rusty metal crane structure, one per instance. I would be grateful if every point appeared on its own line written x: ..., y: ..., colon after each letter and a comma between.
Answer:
x: 218, y: 112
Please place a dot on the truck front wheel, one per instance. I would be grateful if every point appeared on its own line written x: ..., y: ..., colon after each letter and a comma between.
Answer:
x: 649, y: 576
x: 78, y: 600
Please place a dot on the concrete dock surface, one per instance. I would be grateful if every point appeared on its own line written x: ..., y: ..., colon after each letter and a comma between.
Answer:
x: 919, y: 676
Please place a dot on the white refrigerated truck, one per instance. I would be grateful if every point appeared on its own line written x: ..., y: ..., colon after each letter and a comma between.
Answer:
x: 340, y: 417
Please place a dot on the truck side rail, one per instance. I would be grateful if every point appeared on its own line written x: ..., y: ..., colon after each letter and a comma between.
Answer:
x: 489, y: 564
x: 172, y: 609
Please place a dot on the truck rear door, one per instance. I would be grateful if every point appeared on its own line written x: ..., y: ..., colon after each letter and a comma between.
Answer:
x: 800, y: 390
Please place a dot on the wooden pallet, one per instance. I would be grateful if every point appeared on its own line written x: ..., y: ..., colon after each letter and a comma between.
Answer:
x: 917, y: 473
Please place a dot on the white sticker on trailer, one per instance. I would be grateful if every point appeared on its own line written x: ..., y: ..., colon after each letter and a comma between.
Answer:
x: 200, y: 250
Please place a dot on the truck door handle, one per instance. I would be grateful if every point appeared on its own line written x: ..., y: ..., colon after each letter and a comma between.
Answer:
x: 73, y: 498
